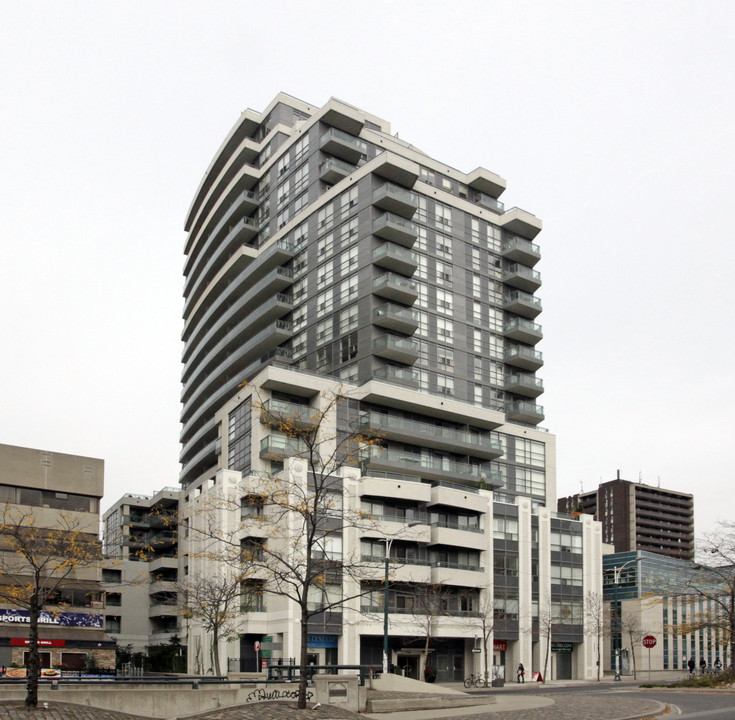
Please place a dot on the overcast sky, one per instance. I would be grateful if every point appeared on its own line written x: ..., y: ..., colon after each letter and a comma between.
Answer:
x: 612, y: 121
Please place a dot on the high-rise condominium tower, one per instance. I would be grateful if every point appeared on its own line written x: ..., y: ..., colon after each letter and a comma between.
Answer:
x: 323, y: 251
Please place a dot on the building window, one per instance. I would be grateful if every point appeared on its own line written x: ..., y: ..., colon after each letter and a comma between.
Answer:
x: 348, y: 348
x: 348, y: 319
x: 282, y: 166
x: 443, y: 215
x: 444, y: 246
x: 444, y: 301
x: 325, y: 217
x: 325, y: 302
x: 325, y: 274
x: 445, y: 385
x: 445, y: 358
x: 301, y: 147
x: 443, y: 273
x: 324, y: 330
x: 239, y: 426
x: 444, y: 329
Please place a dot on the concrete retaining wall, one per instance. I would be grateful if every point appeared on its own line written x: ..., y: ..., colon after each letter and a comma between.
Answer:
x: 157, y: 701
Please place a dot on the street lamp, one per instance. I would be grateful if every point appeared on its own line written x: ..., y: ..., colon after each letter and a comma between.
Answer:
x: 616, y: 581
x: 388, y: 542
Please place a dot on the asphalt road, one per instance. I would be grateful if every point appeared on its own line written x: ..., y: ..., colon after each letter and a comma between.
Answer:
x: 715, y: 704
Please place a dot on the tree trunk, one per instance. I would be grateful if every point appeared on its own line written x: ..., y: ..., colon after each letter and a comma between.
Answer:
x: 484, y: 645
x: 546, y: 657
x: 34, y: 661
x: 303, y: 656
x: 215, y: 650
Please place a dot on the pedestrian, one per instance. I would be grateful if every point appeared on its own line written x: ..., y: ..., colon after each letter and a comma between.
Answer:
x: 702, y: 665
x: 690, y: 665
x: 521, y: 673
x: 718, y: 664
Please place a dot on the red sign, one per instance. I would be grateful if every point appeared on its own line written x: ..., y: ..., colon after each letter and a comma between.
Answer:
x: 256, y: 645
x: 41, y: 643
x: 500, y: 645
x: 649, y: 641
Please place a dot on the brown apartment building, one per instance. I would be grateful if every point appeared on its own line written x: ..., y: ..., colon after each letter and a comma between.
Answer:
x: 635, y: 516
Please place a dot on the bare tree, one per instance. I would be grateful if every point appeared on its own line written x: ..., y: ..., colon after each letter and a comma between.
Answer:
x: 430, y: 602
x: 596, y: 618
x: 546, y: 623
x: 631, y: 624
x: 36, y: 564
x: 214, y: 600
x: 484, y: 621
x: 293, y: 521
x: 713, y: 580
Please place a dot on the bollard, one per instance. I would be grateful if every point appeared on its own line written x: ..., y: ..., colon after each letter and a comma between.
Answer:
x: 54, y: 684
x: 195, y: 685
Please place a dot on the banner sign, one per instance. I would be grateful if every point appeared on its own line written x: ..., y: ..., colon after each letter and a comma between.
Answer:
x: 322, y: 641
x: 22, y: 617
x: 41, y: 643
x: 500, y: 645
x: 561, y: 647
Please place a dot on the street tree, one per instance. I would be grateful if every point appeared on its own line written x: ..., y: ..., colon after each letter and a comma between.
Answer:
x: 214, y: 601
x: 631, y: 625
x: 290, y: 523
x: 484, y: 620
x: 430, y: 602
x: 596, y: 620
x: 713, y: 581
x: 546, y: 623
x: 36, y: 563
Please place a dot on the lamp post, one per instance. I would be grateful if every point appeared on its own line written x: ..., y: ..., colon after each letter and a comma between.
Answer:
x: 616, y: 581
x: 388, y: 542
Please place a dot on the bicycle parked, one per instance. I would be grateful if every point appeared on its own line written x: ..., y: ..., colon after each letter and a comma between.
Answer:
x: 473, y: 681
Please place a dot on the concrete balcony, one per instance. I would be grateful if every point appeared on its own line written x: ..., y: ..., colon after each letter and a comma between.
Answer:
x: 400, y: 570
x: 523, y: 331
x: 392, y: 347
x: 396, y: 229
x: 522, y: 384
x: 522, y: 277
x: 343, y: 145
x: 395, y: 257
x: 424, y: 466
x: 332, y: 170
x: 456, y: 537
x: 277, y: 413
x: 520, y: 222
x: 278, y: 447
x: 395, y: 287
x: 486, y: 182
x: 466, y: 498
x: 520, y: 250
x: 396, y: 317
x: 526, y: 412
x: 523, y: 357
x: 430, y: 435
x: 521, y: 303
x: 408, y: 486
x: 400, y: 376
x: 396, y: 169
x: 395, y: 199
x: 457, y: 575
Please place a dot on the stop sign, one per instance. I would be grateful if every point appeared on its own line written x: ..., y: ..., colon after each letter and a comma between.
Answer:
x: 649, y: 641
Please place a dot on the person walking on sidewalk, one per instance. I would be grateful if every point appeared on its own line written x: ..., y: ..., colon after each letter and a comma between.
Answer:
x: 521, y: 673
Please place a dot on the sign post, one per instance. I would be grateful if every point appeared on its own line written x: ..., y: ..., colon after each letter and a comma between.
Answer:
x: 256, y: 645
x: 649, y: 642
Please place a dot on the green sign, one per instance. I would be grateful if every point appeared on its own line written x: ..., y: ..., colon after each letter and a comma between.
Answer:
x: 561, y: 647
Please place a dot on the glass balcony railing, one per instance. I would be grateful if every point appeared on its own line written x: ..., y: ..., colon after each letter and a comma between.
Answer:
x: 413, y: 428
